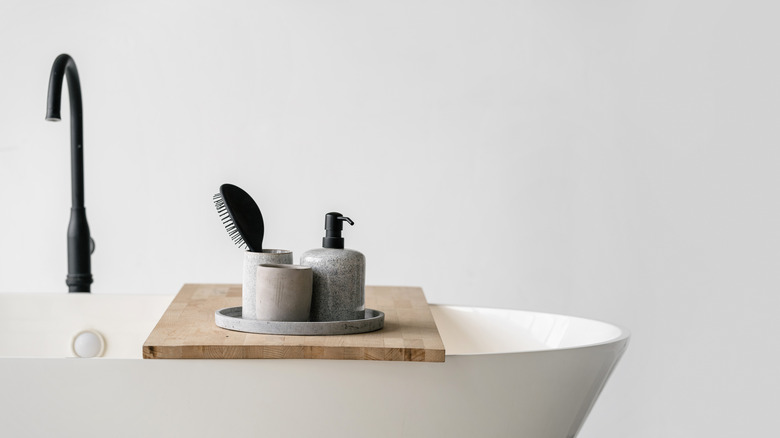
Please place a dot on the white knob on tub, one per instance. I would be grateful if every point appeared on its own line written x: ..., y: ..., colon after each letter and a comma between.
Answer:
x: 88, y: 343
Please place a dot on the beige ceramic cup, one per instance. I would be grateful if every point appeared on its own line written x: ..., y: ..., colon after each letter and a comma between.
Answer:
x: 251, y: 261
x: 283, y: 292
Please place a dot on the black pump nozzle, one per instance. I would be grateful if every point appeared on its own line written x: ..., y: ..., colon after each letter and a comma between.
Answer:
x: 333, y: 227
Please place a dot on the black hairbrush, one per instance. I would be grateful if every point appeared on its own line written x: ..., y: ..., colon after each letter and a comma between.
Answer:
x: 241, y: 217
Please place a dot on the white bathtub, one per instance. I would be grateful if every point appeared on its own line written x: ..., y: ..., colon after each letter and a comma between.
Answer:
x: 507, y: 373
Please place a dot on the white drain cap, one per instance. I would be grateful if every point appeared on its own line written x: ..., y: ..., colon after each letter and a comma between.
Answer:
x: 88, y: 343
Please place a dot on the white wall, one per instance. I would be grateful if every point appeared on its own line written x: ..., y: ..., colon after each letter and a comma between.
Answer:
x: 609, y: 159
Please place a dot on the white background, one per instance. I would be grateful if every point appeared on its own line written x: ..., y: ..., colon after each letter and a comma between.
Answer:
x: 616, y: 160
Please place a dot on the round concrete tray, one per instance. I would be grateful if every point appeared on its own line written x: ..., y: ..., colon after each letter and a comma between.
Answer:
x: 230, y: 318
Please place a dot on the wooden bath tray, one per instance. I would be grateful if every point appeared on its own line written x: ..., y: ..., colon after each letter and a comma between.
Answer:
x: 187, y: 330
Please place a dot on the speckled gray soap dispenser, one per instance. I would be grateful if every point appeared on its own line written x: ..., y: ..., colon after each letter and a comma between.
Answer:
x: 338, y: 292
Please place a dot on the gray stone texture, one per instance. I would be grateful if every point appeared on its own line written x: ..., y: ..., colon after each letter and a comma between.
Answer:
x: 230, y: 318
x: 251, y: 261
x: 338, y: 292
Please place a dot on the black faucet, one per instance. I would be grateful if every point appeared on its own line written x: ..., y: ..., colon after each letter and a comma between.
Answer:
x: 80, y: 244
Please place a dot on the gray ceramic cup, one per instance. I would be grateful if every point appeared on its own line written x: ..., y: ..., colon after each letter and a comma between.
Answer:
x: 251, y: 261
x: 283, y: 292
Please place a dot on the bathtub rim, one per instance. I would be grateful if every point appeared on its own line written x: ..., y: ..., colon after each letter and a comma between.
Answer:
x: 624, y: 335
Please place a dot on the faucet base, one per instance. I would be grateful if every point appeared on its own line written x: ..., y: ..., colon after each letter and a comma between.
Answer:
x: 78, y: 282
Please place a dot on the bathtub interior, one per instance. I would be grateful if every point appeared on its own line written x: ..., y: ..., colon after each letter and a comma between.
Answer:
x: 476, y: 330
x: 44, y: 325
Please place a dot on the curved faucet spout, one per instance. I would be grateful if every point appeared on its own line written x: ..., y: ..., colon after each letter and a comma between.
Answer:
x: 79, y: 242
x: 65, y: 66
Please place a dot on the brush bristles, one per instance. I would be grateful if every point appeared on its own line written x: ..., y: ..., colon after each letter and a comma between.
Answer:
x: 227, y: 221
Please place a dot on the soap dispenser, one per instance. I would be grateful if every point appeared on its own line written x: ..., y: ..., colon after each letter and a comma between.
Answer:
x: 338, y: 289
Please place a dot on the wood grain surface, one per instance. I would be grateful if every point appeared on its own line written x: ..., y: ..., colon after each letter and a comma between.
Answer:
x: 187, y: 330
